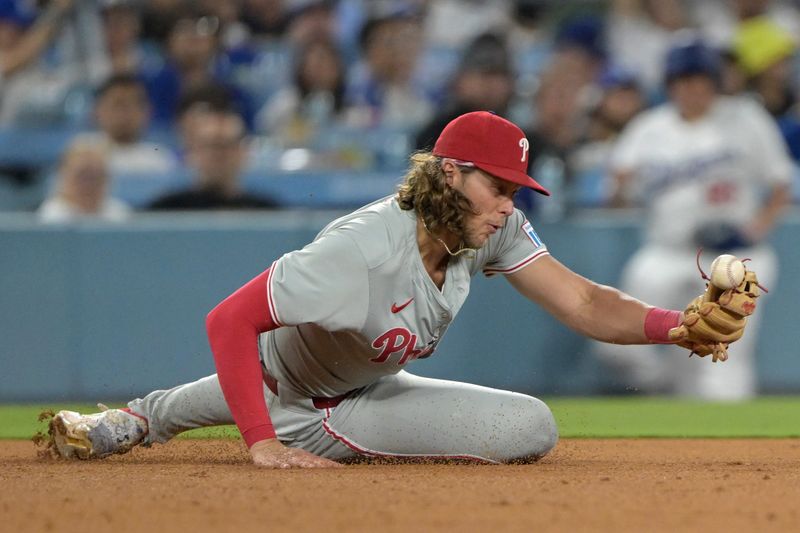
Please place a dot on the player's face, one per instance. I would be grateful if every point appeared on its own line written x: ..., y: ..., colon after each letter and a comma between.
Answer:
x: 492, y: 198
x: 693, y: 95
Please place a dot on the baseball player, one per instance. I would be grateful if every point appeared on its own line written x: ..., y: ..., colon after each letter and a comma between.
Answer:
x: 311, y: 354
x: 712, y: 172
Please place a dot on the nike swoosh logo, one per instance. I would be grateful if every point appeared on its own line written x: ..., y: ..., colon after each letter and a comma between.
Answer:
x: 397, y: 308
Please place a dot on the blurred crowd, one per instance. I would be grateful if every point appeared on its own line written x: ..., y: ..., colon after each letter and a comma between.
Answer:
x: 204, y: 100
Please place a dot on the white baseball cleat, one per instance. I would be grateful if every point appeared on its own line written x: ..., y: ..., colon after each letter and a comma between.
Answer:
x: 97, y: 435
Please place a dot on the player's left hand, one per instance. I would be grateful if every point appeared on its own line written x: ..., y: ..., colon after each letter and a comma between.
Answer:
x: 270, y: 453
x: 717, y: 318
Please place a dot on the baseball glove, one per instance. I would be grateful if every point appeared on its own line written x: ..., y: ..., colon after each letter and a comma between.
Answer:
x: 717, y: 317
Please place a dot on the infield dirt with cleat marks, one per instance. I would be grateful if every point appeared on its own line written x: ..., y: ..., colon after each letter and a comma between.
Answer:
x: 584, y: 485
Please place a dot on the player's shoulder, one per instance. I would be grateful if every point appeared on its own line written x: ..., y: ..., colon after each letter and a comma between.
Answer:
x: 514, y: 245
x: 514, y: 224
x: 516, y: 219
x: 644, y: 127
x: 654, y: 118
x: 518, y: 225
x: 744, y: 102
x: 378, y: 229
x: 743, y: 108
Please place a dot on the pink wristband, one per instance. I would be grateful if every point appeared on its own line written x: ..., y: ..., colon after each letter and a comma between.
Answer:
x: 658, y: 322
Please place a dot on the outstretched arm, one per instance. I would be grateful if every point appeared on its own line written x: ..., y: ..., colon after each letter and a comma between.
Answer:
x: 598, y: 311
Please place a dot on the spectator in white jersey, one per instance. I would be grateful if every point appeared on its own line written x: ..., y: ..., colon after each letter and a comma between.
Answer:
x: 712, y: 172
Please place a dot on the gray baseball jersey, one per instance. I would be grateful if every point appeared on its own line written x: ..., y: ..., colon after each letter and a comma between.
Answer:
x: 357, y: 306
x: 358, y: 303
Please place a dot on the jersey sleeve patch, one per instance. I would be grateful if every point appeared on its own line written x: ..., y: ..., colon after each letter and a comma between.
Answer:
x: 528, y: 229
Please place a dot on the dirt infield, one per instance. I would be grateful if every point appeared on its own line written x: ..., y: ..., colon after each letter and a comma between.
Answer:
x: 194, y: 486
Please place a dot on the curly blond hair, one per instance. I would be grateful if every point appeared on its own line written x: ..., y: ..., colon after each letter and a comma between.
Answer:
x: 425, y: 191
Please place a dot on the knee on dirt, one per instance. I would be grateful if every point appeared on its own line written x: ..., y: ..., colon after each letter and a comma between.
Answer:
x: 534, y: 430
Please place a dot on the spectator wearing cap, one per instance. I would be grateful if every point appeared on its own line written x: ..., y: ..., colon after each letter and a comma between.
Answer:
x: 382, y: 90
x: 765, y: 52
x: 484, y: 82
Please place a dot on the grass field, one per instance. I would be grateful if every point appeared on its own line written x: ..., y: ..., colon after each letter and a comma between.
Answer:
x: 771, y: 416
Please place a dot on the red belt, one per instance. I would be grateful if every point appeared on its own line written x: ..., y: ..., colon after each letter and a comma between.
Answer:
x: 319, y: 402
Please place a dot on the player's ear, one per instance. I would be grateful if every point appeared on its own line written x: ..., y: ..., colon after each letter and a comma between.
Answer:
x: 449, y: 169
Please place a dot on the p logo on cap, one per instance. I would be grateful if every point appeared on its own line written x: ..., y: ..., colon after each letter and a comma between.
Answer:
x: 494, y: 144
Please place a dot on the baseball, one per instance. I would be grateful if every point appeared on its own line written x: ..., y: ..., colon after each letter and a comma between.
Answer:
x: 727, y: 272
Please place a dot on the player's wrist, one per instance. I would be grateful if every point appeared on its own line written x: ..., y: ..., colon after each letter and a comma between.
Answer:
x: 658, y: 323
x: 259, y: 433
x: 265, y: 444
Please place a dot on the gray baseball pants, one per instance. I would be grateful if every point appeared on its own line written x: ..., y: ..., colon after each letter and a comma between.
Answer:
x: 402, y: 416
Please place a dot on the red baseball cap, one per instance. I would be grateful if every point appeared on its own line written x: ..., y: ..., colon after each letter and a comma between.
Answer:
x: 492, y: 144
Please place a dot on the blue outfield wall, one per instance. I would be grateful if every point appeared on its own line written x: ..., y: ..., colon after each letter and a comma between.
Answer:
x: 94, y: 311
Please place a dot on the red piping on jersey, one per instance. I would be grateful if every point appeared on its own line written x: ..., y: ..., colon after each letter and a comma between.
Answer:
x: 516, y: 267
x: 372, y: 453
x: 233, y: 327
